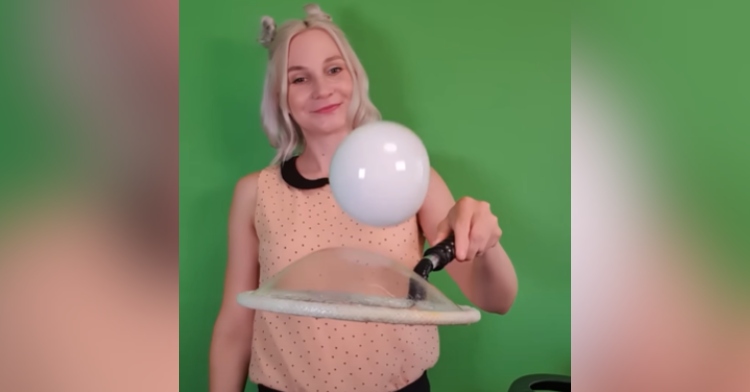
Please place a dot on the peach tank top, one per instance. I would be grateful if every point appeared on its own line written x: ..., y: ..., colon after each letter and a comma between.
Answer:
x: 294, y: 354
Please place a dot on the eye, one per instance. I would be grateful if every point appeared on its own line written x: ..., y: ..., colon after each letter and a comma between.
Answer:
x: 335, y: 70
x: 298, y: 80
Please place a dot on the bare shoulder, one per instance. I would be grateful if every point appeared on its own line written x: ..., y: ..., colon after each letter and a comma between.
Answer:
x: 247, y: 185
x: 438, y: 191
x: 245, y: 195
x: 435, y: 178
x: 438, y: 201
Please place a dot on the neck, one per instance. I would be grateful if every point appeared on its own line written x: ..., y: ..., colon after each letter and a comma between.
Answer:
x: 315, y: 160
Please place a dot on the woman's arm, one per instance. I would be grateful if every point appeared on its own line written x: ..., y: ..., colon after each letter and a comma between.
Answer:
x: 488, y: 280
x: 233, y: 330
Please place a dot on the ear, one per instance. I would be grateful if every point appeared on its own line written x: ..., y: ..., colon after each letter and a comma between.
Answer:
x: 314, y: 11
x: 268, y: 31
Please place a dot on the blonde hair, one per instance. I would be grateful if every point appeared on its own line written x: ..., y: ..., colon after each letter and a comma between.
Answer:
x: 282, y: 131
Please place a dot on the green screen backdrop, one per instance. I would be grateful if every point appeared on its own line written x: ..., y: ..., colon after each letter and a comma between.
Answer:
x: 486, y: 85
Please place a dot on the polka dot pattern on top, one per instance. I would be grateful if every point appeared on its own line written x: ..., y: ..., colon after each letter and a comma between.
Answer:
x: 292, y: 353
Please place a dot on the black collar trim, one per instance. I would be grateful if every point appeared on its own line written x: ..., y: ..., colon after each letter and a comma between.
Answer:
x: 293, y: 178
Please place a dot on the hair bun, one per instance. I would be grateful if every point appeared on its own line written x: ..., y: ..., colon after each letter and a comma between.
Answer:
x: 314, y: 11
x: 268, y: 31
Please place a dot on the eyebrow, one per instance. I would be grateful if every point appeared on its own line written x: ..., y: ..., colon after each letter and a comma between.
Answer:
x: 299, y: 67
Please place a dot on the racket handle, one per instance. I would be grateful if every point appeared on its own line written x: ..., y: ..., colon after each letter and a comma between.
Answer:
x: 437, y: 257
x: 442, y: 253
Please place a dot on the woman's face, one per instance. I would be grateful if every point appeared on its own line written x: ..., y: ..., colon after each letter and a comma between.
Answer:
x: 320, y: 85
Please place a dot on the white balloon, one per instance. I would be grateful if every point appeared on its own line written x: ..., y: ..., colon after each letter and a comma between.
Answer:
x: 380, y: 173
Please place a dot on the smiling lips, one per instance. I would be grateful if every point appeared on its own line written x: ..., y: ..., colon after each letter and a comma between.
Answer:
x: 327, y: 109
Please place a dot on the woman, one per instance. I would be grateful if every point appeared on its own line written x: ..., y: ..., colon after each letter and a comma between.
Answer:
x: 316, y: 92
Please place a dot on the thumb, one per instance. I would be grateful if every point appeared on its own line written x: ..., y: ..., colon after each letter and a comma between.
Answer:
x: 443, y: 230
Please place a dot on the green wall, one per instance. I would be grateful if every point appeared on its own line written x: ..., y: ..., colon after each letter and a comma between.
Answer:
x: 487, y: 87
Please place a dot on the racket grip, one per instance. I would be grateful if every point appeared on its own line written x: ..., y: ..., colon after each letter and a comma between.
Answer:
x: 442, y: 253
x: 437, y: 257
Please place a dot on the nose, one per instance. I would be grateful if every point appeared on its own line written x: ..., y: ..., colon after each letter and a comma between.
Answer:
x: 322, y: 89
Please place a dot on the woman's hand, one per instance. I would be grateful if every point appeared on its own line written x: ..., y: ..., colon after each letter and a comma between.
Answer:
x: 474, y: 227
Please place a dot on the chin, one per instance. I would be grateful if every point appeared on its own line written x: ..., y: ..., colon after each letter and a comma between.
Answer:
x: 330, y: 127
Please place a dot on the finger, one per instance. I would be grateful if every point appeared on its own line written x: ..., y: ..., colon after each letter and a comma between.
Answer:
x: 461, y: 231
x: 494, y: 239
x: 497, y: 232
x: 477, y: 239
x: 472, y: 253
x: 443, y: 230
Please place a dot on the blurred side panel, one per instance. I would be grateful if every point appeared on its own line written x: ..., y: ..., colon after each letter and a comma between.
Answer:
x: 660, y: 190
x: 89, y: 197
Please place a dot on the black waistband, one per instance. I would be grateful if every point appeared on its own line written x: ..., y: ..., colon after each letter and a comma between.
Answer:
x: 422, y: 384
